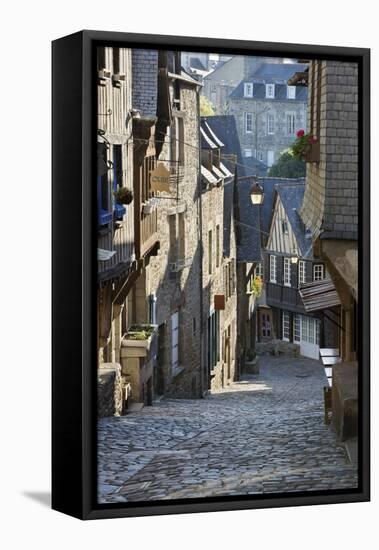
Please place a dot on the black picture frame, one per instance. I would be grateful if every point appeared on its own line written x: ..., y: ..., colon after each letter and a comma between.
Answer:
x: 74, y: 275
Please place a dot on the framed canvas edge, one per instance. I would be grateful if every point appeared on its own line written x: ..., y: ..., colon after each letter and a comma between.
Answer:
x: 83, y: 382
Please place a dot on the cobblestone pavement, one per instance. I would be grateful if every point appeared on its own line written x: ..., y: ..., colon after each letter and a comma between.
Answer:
x: 264, y: 434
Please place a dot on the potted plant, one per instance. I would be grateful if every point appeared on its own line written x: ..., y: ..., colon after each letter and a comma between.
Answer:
x: 123, y: 195
x: 306, y: 147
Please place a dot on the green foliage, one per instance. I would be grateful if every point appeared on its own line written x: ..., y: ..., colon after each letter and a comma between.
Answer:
x: 123, y: 195
x: 206, y: 107
x: 288, y: 166
x: 302, y: 144
x: 140, y: 332
x: 257, y: 286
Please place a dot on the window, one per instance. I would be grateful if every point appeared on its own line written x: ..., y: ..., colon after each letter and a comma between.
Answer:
x: 152, y: 309
x: 291, y: 92
x: 210, y: 252
x: 217, y: 245
x: 285, y: 227
x: 290, y: 123
x: 260, y: 155
x: 101, y: 65
x: 318, y: 272
x: 287, y: 272
x: 182, y: 236
x: 248, y: 123
x: 286, y: 326
x: 301, y: 272
x: 270, y: 91
x: 104, y: 197
x: 248, y: 89
x: 116, y: 60
x: 175, y: 341
x: 213, y: 339
x: 176, y: 136
x: 248, y: 153
x: 272, y: 269
x: 258, y: 271
x: 296, y: 329
x: 270, y: 124
x: 270, y: 158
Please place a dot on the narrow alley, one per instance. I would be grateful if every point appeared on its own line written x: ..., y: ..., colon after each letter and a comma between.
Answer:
x: 263, y: 434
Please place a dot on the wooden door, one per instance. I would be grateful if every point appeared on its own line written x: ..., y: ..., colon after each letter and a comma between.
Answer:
x: 265, y: 321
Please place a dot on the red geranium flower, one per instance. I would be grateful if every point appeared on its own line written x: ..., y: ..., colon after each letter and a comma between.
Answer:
x: 300, y: 133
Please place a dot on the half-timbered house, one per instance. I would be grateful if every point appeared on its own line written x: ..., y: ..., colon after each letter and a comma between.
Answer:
x: 289, y: 267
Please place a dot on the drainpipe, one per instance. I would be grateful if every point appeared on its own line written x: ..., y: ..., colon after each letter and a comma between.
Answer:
x: 200, y: 242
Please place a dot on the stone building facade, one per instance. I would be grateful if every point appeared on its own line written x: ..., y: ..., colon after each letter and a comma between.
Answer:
x: 172, y: 284
x: 221, y: 82
x: 268, y: 112
x: 219, y: 294
x: 330, y: 210
x: 116, y: 254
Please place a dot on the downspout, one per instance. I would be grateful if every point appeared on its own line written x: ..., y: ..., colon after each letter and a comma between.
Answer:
x: 200, y: 241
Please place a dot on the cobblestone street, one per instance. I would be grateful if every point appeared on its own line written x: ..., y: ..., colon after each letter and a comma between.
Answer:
x: 264, y: 434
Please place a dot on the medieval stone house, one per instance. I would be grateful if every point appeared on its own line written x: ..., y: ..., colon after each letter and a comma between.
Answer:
x: 268, y: 111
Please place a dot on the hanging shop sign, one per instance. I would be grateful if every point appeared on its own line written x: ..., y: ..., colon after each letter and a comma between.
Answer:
x: 160, y: 179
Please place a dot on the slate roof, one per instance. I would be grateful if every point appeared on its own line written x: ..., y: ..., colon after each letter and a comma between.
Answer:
x: 291, y: 196
x: 195, y: 63
x: 259, y: 91
x: 255, y: 166
x: 224, y: 127
x: 272, y: 73
x: 249, y: 244
x: 282, y: 71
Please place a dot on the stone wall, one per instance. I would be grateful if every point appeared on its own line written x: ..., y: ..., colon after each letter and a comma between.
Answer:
x: 215, y: 283
x: 259, y: 139
x: 109, y: 390
x: 179, y: 291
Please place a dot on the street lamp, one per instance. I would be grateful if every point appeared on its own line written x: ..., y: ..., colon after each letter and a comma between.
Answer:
x: 256, y: 194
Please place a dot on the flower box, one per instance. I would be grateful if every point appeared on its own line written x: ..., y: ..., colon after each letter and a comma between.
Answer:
x: 313, y: 154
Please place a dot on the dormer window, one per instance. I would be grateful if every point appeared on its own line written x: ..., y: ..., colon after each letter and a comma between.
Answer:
x: 291, y: 92
x: 270, y: 91
x: 248, y: 89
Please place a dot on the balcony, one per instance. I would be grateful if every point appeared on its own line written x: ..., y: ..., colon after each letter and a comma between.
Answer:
x: 284, y: 297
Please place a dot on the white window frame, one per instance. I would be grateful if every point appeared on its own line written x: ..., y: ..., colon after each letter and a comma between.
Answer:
x: 273, y: 268
x: 258, y: 271
x: 248, y: 117
x: 248, y: 153
x: 286, y: 326
x: 297, y: 329
x: 248, y: 89
x: 318, y: 272
x: 270, y: 156
x: 291, y: 92
x: 270, y: 91
x: 302, y: 272
x: 287, y: 271
x: 290, y: 124
x: 270, y: 124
